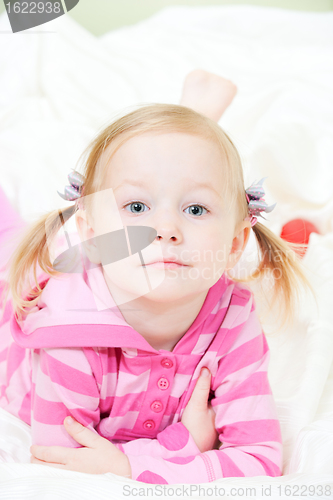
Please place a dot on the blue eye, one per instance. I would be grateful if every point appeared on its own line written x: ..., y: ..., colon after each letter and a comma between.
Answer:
x: 136, y: 206
x: 196, y: 209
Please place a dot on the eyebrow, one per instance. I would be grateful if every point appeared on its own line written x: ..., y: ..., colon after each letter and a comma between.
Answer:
x: 191, y: 185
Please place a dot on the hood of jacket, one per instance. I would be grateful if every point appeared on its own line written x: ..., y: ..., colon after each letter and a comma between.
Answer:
x: 77, y: 310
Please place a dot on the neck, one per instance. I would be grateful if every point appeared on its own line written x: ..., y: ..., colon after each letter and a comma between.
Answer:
x: 161, y: 324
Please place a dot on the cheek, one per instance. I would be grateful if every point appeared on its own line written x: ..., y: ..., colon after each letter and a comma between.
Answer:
x: 218, y: 243
x: 129, y: 274
x: 107, y: 218
x: 122, y: 268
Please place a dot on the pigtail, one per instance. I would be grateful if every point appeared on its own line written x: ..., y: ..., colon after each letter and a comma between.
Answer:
x: 31, y: 253
x: 282, y: 261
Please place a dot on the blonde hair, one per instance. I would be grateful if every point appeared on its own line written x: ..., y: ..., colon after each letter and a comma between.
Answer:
x: 33, y: 251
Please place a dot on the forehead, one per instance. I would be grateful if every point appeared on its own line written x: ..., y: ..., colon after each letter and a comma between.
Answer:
x: 158, y: 154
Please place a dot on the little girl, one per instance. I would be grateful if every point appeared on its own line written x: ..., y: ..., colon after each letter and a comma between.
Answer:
x: 119, y: 343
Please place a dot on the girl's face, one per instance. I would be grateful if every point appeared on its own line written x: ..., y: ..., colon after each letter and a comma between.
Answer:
x: 174, y: 183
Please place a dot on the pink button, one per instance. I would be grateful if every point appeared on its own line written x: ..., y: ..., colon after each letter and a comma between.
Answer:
x: 156, y: 406
x: 167, y: 363
x: 149, y: 424
x: 163, y: 383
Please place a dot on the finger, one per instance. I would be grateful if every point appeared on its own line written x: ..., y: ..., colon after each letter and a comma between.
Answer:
x: 82, y: 434
x: 40, y: 462
x: 200, y: 394
x: 53, y: 454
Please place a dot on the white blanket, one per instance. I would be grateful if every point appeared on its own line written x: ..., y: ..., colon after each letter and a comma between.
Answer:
x: 59, y: 86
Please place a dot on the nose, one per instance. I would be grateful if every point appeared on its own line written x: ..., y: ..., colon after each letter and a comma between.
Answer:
x: 159, y: 237
x: 167, y: 227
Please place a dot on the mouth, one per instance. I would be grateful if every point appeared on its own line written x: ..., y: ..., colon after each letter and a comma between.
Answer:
x: 166, y: 264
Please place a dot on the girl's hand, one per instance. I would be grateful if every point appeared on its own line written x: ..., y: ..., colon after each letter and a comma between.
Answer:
x: 199, y: 417
x: 98, y: 456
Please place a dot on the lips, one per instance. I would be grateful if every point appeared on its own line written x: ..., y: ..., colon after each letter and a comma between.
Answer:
x: 167, y: 261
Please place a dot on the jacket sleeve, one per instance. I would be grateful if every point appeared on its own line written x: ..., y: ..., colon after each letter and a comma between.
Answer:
x: 63, y: 384
x: 246, y: 417
x: 174, y: 441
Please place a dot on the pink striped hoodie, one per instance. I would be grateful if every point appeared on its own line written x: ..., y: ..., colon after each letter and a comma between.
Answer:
x: 69, y: 357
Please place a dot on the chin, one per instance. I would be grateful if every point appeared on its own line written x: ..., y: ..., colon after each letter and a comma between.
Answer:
x: 172, y: 291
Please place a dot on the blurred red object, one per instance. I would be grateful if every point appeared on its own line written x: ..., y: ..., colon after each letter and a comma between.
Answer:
x: 298, y: 231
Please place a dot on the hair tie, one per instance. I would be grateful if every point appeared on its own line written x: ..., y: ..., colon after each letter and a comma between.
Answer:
x: 256, y: 203
x: 74, y: 191
x: 254, y: 196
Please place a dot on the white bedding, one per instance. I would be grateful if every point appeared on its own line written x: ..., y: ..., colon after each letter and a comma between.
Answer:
x: 60, y: 85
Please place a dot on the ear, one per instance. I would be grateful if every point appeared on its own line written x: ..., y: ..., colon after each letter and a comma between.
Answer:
x: 87, y: 236
x: 239, y: 243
